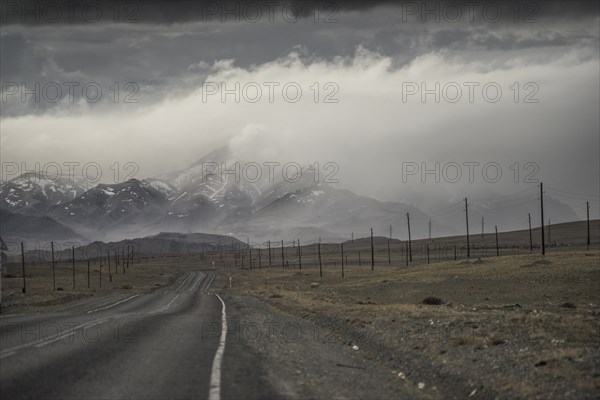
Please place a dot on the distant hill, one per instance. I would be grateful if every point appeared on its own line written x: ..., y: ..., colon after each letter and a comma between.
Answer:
x: 15, y: 228
x: 162, y: 243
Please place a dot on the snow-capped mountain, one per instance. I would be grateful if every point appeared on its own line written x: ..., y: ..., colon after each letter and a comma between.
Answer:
x: 221, y: 194
x: 123, y: 206
x: 35, y: 194
x: 167, y: 189
x: 213, y: 180
x: 219, y: 191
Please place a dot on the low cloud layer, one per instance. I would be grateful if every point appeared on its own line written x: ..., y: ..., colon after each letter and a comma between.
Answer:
x: 368, y: 73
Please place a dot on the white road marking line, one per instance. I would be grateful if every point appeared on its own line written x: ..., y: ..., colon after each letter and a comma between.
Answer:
x: 112, y: 305
x: 10, y: 315
x: 171, y: 302
x: 212, y: 278
x: 197, y: 283
x: 44, y: 342
x: 165, y: 307
x: 194, y: 281
x: 72, y: 331
x: 182, y: 283
x: 215, y: 376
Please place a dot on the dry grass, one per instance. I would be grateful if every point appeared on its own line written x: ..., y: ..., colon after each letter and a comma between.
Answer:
x: 513, y: 312
x: 139, y: 278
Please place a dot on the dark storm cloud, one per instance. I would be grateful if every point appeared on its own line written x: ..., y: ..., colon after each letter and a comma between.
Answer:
x: 36, y: 12
x: 170, y: 47
x: 15, y: 45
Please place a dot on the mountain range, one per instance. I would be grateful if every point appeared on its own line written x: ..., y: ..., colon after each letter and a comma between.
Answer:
x: 223, y: 195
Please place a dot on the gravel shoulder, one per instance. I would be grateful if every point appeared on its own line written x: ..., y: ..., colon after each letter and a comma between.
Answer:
x: 296, y: 358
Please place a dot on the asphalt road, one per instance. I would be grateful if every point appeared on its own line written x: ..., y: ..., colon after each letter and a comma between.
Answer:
x: 164, y: 345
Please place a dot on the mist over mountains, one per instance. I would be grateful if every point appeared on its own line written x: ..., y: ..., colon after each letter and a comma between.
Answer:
x: 252, y: 201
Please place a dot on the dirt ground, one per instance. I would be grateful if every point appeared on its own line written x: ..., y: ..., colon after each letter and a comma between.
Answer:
x: 508, y: 327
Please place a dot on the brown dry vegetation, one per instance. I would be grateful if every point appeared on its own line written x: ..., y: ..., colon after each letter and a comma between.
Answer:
x: 143, y: 276
x: 503, y: 329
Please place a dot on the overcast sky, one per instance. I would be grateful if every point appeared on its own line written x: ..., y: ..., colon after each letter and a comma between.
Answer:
x: 370, y: 62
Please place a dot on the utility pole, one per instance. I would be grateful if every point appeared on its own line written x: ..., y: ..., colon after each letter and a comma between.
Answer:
x: 249, y: 255
x: 342, y: 250
x: 24, y: 290
x: 530, y: 236
x: 320, y: 265
x: 497, y: 249
x: 259, y: 260
x: 482, y: 224
x: 73, y: 261
x: 409, y: 240
x: 390, y: 232
x: 542, y: 211
x: 372, y: 252
x: 109, y: 270
x: 299, y: 255
x: 249, y: 252
x: 53, y: 268
x: 587, y: 205
x: 282, y: 256
x: 467, y: 221
x: 269, y: 244
x: 88, y: 271
x: 389, y: 253
x: 429, y: 229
